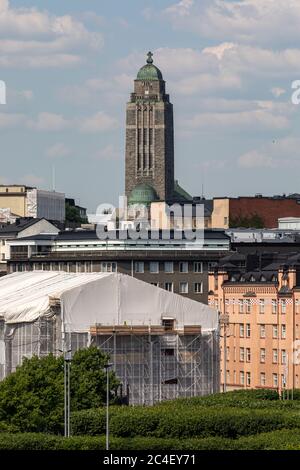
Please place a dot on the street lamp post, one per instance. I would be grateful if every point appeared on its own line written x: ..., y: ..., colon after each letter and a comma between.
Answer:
x: 67, y: 390
x: 106, y: 367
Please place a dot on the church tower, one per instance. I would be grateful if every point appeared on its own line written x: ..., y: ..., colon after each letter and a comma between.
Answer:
x: 149, y: 139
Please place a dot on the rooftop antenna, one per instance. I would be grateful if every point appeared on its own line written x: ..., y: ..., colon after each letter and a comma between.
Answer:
x: 202, y: 195
x: 53, y: 178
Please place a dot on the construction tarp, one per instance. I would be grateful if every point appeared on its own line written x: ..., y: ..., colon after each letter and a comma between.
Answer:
x: 97, y: 298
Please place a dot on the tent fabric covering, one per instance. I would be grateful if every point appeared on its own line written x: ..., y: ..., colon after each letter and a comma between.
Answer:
x: 97, y: 298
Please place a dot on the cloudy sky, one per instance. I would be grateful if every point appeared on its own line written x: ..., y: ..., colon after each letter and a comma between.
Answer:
x: 229, y: 65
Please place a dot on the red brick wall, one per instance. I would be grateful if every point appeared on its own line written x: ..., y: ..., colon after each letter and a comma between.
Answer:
x: 270, y: 210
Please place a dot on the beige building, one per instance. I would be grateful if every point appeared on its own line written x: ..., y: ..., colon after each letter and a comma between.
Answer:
x: 167, y: 217
x: 260, y: 317
x: 25, y: 201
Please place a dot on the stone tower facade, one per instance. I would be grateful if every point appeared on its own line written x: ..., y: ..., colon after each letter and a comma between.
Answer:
x: 150, y: 136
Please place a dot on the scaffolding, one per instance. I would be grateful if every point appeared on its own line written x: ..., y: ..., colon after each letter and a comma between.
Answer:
x: 158, y: 364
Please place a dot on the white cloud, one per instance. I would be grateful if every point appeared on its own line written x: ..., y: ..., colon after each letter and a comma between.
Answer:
x: 277, y: 91
x: 276, y: 154
x: 58, y: 150
x: 257, y: 119
x: 33, y: 38
x: 48, y: 122
x: 245, y: 21
x: 99, y: 122
x: 10, y: 120
x: 183, y: 8
x: 107, y: 153
x: 96, y: 91
x: 51, y: 122
x: 256, y: 159
x: 32, y: 180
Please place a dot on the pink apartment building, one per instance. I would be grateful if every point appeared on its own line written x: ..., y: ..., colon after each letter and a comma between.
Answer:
x: 260, y: 324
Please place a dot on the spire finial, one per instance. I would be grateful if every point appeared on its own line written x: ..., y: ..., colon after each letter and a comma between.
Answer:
x: 150, y: 60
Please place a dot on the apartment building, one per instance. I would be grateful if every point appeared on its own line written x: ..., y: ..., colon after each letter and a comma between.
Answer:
x: 260, y: 320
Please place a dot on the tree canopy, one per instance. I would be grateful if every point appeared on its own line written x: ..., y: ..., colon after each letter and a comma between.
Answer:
x: 32, y: 398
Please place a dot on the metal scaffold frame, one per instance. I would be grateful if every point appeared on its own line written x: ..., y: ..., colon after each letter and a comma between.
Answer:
x: 155, y: 367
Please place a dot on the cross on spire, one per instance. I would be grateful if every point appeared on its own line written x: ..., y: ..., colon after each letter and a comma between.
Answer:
x: 150, y: 60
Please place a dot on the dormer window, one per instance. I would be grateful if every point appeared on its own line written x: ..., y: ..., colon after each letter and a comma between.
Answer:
x: 263, y: 279
x: 252, y: 279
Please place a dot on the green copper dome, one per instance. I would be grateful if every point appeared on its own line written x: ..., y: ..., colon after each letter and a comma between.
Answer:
x: 142, y: 194
x: 149, y: 71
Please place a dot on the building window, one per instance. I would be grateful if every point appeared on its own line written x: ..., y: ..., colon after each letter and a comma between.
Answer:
x: 107, y: 267
x: 151, y: 136
x: 154, y: 267
x: 3, y: 256
x: 248, y: 379
x: 283, y: 306
x: 262, y: 379
x: 248, y: 330
x: 198, y: 267
x: 227, y: 353
x: 150, y: 160
x: 169, y: 267
x: 261, y: 306
x: 225, y: 220
x: 139, y: 266
x: 275, y: 331
x: 262, y: 331
x: 228, y: 375
x: 248, y: 355
x: 283, y: 381
x: 283, y: 331
x: 283, y: 356
x: 242, y: 331
x: 275, y: 380
x: 242, y: 378
x: 216, y: 282
x: 274, y: 306
x: 169, y: 286
x: 262, y: 355
x: 275, y: 356
x: 241, y: 306
x: 168, y: 323
x: 198, y: 287
x: 183, y: 267
x: 242, y: 354
x: 183, y: 287
x: 248, y: 306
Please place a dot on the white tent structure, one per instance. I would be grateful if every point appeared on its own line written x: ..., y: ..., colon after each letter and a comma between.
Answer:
x: 161, y: 344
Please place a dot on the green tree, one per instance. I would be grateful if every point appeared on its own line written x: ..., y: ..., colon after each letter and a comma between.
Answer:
x: 251, y: 221
x: 73, y: 215
x: 88, y: 379
x: 32, y: 398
